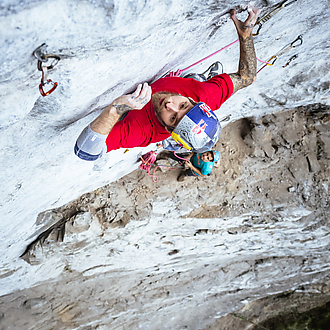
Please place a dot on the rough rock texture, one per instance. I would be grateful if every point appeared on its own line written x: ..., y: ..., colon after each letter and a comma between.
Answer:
x: 166, y: 255
x: 264, y: 212
x: 307, y: 307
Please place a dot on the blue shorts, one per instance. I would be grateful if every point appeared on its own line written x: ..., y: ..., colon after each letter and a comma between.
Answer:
x: 90, y: 145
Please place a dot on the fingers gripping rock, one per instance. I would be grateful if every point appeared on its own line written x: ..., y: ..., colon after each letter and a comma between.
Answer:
x: 141, y: 96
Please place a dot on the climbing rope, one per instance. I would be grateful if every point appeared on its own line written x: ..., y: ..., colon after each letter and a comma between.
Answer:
x: 149, y: 158
x: 260, y: 23
x: 179, y: 72
x: 297, y: 42
x: 43, y: 58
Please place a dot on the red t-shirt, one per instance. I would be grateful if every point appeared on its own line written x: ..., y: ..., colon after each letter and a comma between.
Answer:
x: 141, y: 127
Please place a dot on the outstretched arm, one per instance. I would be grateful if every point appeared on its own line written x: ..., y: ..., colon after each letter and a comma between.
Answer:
x: 108, y: 118
x: 247, y: 68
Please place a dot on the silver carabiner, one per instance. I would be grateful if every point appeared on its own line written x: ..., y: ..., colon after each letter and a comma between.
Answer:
x: 40, y: 52
x: 299, y: 39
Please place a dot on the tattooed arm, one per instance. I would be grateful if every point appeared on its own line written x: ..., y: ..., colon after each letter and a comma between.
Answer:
x: 108, y: 118
x: 247, y: 68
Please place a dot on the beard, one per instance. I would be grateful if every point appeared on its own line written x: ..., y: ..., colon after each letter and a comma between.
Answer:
x: 156, y: 98
x: 159, y: 108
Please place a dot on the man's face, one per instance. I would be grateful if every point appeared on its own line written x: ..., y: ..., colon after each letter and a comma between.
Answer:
x: 171, y: 108
x: 207, y: 156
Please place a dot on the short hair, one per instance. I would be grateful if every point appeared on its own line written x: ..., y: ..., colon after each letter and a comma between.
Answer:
x: 171, y: 128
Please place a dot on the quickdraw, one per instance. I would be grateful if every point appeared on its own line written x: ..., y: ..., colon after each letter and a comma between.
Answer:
x: 290, y: 60
x: 272, y: 13
x: 260, y: 22
x: 225, y: 118
x: 41, y: 55
x: 297, y: 42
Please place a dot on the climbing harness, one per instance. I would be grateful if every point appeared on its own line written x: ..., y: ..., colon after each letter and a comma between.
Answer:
x: 297, y: 42
x: 43, y: 58
x: 272, y: 13
x: 150, y: 157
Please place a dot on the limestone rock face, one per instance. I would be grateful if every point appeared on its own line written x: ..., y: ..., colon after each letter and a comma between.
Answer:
x: 223, y: 244
x: 101, y: 245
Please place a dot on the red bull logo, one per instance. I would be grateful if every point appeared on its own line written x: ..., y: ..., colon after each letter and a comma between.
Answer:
x: 200, y: 127
x: 206, y: 109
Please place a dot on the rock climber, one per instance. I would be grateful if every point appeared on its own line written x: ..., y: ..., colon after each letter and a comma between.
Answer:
x: 199, y: 164
x: 160, y: 107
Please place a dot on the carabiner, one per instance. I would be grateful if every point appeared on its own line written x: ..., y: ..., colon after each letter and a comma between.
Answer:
x: 41, y: 55
x: 290, y: 60
x: 274, y: 58
x: 55, y: 58
x: 42, y: 84
x: 266, y: 18
x: 40, y: 52
x: 259, y: 28
x: 225, y: 118
x: 299, y: 39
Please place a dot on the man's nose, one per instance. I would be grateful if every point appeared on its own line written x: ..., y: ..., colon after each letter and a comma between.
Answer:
x: 171, y: 106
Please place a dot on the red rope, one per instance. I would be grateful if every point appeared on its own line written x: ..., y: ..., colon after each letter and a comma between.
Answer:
x: 149, y: 158
x: 154, y: 177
